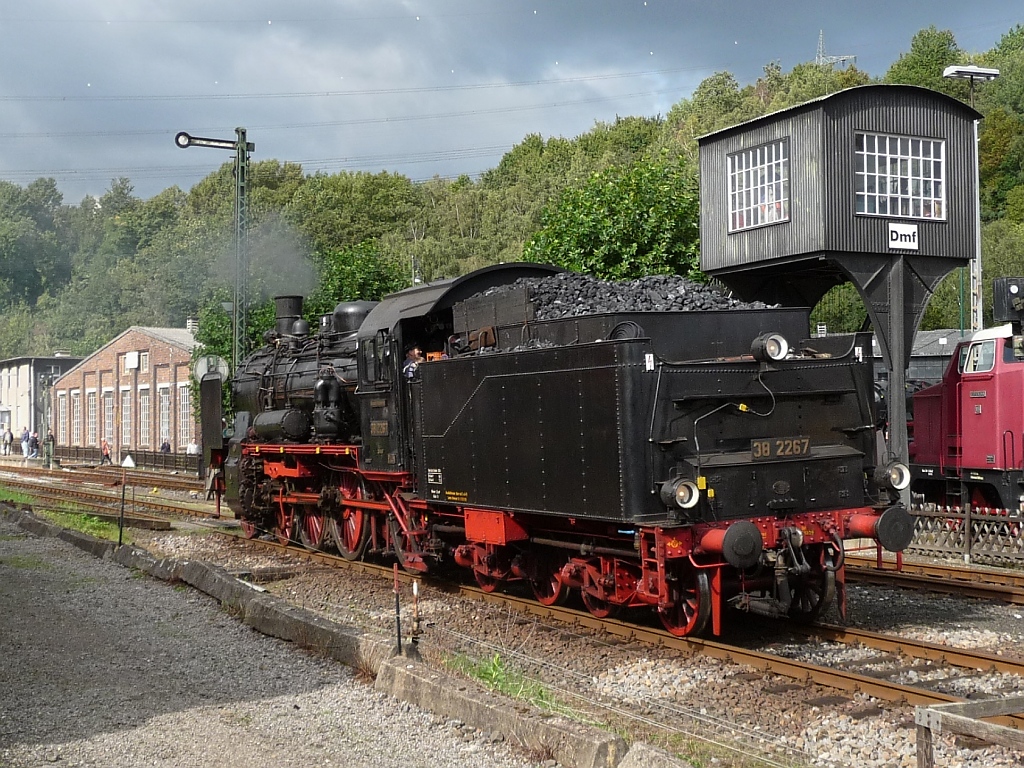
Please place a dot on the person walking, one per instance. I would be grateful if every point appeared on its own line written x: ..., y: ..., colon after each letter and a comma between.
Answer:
x: 105, y: 452
x: 8, y: 440
x: 33, y: 445
x: 25, y: 435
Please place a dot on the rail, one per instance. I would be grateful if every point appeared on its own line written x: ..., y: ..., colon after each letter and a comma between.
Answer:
x: 166, y: 462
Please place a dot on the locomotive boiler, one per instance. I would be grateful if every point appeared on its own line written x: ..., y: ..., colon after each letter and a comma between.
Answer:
x: 679, y: 461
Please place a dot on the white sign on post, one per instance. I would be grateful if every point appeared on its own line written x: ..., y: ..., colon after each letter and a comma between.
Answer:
x: 128, y: 463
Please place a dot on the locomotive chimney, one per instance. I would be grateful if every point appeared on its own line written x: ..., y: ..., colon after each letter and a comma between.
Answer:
x: 289, y: 309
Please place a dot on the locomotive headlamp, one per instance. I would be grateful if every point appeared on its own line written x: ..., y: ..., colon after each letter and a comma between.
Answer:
x: 682, y: 493
x: 894, y: 476
x: 769, y: 346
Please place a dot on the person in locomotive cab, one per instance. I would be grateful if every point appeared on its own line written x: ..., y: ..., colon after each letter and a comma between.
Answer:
x: 413, y: 358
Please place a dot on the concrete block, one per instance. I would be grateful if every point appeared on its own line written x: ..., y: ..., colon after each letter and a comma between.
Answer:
x: 571, y: 744
x: 97, y: 547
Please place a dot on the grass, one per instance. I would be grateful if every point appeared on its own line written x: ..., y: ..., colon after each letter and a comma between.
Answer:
x: 15, y: 497
x: 83, y: 523
x: 25, y: 562
x: 499, y: 677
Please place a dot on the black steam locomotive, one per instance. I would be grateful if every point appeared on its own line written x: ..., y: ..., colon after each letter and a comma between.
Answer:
x: 677, y: 460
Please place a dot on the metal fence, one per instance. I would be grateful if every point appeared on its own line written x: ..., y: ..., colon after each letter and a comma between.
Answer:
x: 166, y: 462
x: 984, y: 536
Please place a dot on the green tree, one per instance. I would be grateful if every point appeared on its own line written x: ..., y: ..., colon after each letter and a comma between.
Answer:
x: 624, y: 223
x: 931, y: 51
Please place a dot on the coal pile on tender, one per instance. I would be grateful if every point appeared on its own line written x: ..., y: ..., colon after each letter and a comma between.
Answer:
x: 570, y: 294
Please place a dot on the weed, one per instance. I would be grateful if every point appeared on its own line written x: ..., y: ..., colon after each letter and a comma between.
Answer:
x: 83, y: 523
x: 499, y: 677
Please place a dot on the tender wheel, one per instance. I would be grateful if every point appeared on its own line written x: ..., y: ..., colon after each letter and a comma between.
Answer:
x: 690, y: 594
x: 485, y: 582
x: 249, y: 529
x: 602, y: 609
x: 547, y: 587
x: 813, y: 594
x: 312, y: 530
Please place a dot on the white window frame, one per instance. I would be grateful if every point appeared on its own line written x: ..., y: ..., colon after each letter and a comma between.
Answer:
x: 91, y: 404
x: 108, y: 414
x: 126, y: 416
x: 184, y: 414
x: 144, y: 431
x: 758, y: 184
x: 907, y: 173
x: 164, y: 404
x: 143, y: 362
x: 76, y: 417
x: 62, y: 418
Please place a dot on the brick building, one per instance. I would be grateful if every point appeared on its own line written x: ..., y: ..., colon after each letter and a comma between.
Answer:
x: 135, y: 391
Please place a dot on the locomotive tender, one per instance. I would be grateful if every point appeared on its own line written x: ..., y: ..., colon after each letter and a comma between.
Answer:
x: 682, y: 461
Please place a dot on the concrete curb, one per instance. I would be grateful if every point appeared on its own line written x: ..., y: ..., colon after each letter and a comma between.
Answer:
x: 572, y: 744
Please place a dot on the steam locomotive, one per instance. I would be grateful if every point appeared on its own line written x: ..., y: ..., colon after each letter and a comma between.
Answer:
x: 678, y: 461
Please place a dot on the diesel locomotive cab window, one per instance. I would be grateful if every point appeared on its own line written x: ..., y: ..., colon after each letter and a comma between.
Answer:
x: 979, y: 358
x: 900, y: 176
x: 759, y: 186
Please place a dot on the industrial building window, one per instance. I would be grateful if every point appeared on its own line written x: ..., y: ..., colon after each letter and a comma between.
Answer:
x: 144, y: 419
x: 126, y: 417
x: 759, y: 186
x: 143, y: 362
x: 184, y: 415
x: 165, y: 414
x: 62, y: 419
x: 108, y: 415
x: 90, y: 418
x: 76, y: 418
x: 900, y: 176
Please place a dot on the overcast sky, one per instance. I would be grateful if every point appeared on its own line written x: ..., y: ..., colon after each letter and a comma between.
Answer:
x: 91, y: 91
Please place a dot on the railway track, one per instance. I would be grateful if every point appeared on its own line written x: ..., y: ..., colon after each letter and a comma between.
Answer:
x: 987, y: 584
x: 141, y: 510
x: 109, y: 476
x: 889, y: 668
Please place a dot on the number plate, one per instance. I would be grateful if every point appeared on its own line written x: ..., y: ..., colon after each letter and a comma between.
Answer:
x: 767, y: 448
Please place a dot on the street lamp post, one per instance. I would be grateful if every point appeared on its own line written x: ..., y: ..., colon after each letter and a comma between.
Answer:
x: 241, y: 148
x: 971, y: 73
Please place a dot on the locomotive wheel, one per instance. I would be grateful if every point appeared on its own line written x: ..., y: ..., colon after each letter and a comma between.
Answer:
x: 350, y: 528
x: 311, y: 530
x: 691, y: 604
x: 813, y: 593
x: 350, y: 532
